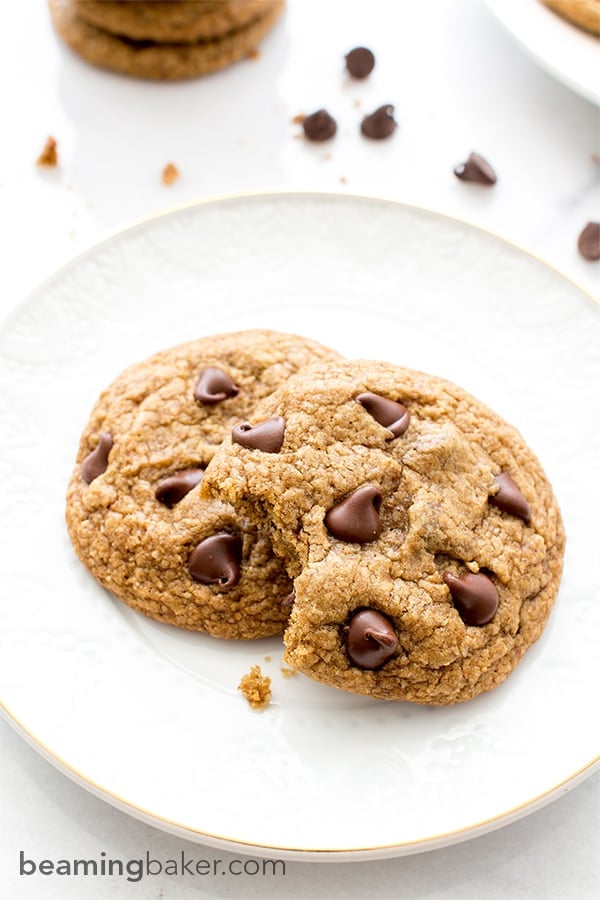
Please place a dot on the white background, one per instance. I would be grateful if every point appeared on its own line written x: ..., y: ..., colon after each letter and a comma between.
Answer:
x: 458, y: 84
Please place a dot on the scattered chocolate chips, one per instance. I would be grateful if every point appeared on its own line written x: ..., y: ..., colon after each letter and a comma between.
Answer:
x: 96, y: 462
x: 389, y: 413
x: 509, y: 498
x: 213, y: 386
x: 370, y: 639
x: 474, y: 596
x: 589, y: 241
x: 174, y: 488
x: 266, y: 436
x: 216, y: 560
x: 360, y: 62
x: 356, y: 518
x: 476, y: 169
x: 380, y: 124
x: 319, y: 126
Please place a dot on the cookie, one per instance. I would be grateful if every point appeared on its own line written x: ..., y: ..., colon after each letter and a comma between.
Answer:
x: 171, y: 21
x: 423, y: 536
x: 134, y: 513
x: 159, y: 61
x: 583, y: 13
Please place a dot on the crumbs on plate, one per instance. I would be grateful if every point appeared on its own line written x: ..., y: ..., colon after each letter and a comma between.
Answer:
x: 256, y: 688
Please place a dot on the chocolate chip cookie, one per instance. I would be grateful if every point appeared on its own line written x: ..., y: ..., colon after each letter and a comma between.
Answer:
x: 583, y: 13
x: 171, y: 21
x: 423, y: 536
x: 164, y: 61
x: 134, y: 511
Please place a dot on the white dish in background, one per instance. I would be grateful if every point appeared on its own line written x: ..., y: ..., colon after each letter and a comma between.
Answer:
x: 567, y: 52
x: 148, y: 717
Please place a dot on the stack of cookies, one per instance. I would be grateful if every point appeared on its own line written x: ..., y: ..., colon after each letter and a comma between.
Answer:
x: 164, y: 39
x: 401, y: 535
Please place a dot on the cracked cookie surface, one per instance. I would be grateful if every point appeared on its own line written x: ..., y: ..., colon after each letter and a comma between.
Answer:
x: 134, y: 513
x: 422, y: 533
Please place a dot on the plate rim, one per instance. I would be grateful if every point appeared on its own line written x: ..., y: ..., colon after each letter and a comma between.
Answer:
x: 189, y: 832
x: 574, y: 84
x: 130, y: 225
x: 308, y: 854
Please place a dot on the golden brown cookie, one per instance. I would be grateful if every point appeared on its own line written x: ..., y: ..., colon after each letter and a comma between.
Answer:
x: 424, y: 538
x: 134, y: 513
x: 171, y: 21
x: 159, y: 61
x: 584, y: 13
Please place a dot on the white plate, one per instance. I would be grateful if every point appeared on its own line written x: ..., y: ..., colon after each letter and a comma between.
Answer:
x: 567, y: 52
x: 149, y: 718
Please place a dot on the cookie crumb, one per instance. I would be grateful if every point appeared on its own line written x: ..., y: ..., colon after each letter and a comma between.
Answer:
x: 49, y: 155
x: 357, y: 103
x: 343, y: 179
x: 327, y: 157
x: 298, y: 119
x: 253, y: 54
x: 170, y: 174
x: 288, y: 673
x: 267, y: 659
x: 472, y: 566
x: 256, y: 688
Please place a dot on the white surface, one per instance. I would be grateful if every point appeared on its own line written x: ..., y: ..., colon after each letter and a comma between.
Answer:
x: 567, y: 52
x: 458, y: 83
x: 110, y: 693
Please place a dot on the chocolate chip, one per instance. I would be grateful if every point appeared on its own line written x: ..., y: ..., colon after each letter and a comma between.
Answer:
x: 356, y: 518
x: 174, y: 488
x: 389, y: 413
x: 360, y: 62
x: 380, y: 124
x: 216, y: 560
x: 474, y: 595
x: 589, y: 241
x: 266, y: 436
x: 476, y: 169
x: 213, y: 386
x: 289, y: 600
x: 370, y: 639
x: 509, y: 498
x: 96, y: 462
x: 319, y: 126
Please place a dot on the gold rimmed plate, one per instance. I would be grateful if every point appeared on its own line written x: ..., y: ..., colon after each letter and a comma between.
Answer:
x: 149, y: 717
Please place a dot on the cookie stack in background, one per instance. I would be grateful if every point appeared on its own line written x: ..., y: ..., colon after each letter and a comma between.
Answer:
x: 166, y: 40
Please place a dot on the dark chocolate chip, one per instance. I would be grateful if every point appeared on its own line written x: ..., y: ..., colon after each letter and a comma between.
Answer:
x: 216, y: 560
x: 289, y: 600
x: 96, y: 462
x: 213, y: 386
x: 474, y: 595
x: 370, y: 639
x: 509, y: 498
x: 360, y: 62
x: 380, y: 124
x: 266, y: 436
x: 389, y: 413
x: 589, y: 241
x: 356, y: 518
x: 174, y: 488
x: 476, y: 169
x: 319, y: 126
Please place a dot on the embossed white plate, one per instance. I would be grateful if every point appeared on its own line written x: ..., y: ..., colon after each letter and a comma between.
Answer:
x: 149, y: 718
x: 567, y: 52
